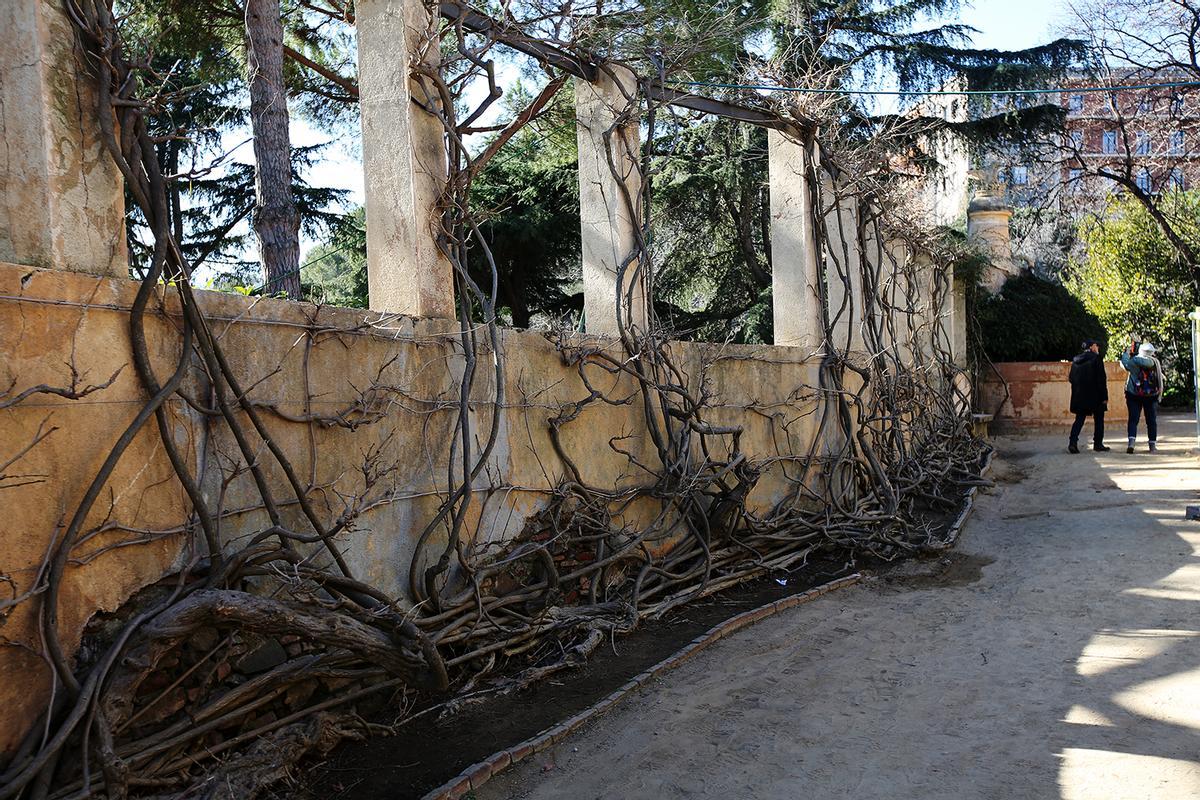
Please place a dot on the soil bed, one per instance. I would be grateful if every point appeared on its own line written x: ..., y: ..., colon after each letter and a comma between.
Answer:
x: 431, y: 750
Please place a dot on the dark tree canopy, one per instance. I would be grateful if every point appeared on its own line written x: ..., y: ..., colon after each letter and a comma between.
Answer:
x: 1033, y: 319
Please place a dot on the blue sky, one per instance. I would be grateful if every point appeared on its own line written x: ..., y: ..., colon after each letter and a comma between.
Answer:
x: 1014, y: 24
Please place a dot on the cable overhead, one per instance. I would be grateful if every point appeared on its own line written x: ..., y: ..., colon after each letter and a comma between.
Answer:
x: 899, y: 93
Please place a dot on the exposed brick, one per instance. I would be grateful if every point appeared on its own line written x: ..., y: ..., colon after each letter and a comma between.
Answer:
x: 480, y: 774
x: 521, y: 752
x: 452, y: 789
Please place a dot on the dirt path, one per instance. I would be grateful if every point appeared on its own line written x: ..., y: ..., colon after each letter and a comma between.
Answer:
x: 1055, y: 654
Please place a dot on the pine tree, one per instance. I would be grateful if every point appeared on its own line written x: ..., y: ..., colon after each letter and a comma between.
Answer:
x: 276, y: 220
x: 719, y: 278
x: 201, y: 49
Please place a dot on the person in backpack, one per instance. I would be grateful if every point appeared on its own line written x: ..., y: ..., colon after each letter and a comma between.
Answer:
x: 1143, y: 390
x: 1089, y: 395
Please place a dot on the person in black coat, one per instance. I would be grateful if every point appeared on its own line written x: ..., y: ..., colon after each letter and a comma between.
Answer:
x: 1089, y: 395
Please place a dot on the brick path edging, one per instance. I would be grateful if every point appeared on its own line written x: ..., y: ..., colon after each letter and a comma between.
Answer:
x: 476, y: 775
x: 968, y: 506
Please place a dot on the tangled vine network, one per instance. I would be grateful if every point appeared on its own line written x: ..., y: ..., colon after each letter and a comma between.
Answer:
x: 891, y: 453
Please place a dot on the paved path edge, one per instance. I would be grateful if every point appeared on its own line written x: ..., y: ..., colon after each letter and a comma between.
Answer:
x: 476, y: 775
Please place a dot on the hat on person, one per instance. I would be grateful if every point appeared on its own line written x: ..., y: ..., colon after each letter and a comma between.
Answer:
x: 1147, y: 349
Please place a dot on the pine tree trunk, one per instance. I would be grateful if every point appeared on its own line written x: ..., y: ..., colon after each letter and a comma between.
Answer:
x: 276, y: 220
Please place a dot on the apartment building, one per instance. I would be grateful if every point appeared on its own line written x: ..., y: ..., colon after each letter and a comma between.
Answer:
x: 1122, y: 137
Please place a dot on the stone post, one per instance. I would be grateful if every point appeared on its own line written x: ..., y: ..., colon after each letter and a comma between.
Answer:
x: 958, y: 319
x: 896, y: 285
x: 608, y: 228
x: 925, y: 312
x: 62, y: 199
x: 795, y: 274
x: 843, y: 268
x: 404, y: 164
x: 987, y: 226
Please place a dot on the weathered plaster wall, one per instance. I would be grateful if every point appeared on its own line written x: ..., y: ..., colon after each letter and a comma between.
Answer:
x: 1040, y: 394
x: 50, y: 319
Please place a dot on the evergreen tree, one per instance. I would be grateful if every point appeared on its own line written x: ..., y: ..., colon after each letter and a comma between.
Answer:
x: 710, y: 194
x: 335, y: 273
x: 205, y: 104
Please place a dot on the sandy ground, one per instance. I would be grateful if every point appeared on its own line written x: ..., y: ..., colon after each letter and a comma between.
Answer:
x: 1055, y: 654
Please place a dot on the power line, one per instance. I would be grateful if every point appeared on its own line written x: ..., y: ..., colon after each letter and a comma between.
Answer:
x: 899, y: 93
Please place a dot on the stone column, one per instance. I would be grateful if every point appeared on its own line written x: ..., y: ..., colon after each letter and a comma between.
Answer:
x: 404, y: 164
x: 895, y: 282
x: 608, y: 228
x: 62, y: 199
x: 958, y: 319
x: 795, y: 273
x: 843, y: 268
x: 925, y: 314
x: 987, y: 226
x: 879, y: 273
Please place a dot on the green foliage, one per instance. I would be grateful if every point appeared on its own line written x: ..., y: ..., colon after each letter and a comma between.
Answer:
x: 335, y: 273
x: 528, y: 214
x: 869, y: 41
x: 197, y: 47
x: 709, y: 200
x: 712, y: 233
x: 526, y: 202
x: 1135, y: 282
x: 1032, y: 319
x: 874, y: 38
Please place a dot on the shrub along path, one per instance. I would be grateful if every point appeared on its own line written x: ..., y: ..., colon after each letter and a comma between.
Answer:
x: 1054, y: 654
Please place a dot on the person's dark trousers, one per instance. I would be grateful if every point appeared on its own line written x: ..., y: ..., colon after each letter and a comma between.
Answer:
x: 1077, y: 428
x: 1137, y: 406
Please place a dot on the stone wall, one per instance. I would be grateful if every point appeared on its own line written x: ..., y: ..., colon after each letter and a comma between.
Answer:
x: 51, y: 319
x: 1038, y: 393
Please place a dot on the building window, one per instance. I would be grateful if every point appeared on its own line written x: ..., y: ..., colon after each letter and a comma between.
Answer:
x: 1175, y: 148
x: 1143, y: 180
x: 1143, y: 143
x: 1108, y: 142
x: 1145, y: 105
x: 1020, y: 176
x: 1075, y: 179
x: 1077, y: 140
x: 1177, y: 104
x: 1075, y: 103
x: 1175, y: 181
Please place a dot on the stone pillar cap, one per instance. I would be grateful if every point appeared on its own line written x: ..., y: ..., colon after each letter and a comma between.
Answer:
x: 987, y: 202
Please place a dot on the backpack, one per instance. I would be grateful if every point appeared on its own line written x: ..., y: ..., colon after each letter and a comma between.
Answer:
x: 1145, y: 382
